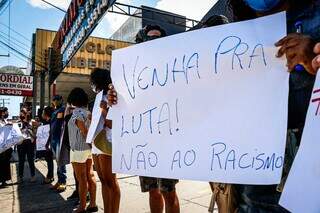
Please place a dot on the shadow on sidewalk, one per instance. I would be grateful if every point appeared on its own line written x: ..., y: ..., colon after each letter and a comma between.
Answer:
x: 37, y: 197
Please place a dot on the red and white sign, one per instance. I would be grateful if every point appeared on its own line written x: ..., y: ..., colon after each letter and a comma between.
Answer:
x: 18, y: 85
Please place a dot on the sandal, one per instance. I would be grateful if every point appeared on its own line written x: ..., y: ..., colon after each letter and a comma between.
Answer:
x: 92, y: 209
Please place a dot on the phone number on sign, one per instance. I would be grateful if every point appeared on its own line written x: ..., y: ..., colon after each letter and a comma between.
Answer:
x: 10, y: 92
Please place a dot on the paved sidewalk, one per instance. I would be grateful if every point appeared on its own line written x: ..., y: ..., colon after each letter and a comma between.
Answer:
x: 34, y: 197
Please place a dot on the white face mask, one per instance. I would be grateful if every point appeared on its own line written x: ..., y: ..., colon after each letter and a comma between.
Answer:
x: 94, y: 88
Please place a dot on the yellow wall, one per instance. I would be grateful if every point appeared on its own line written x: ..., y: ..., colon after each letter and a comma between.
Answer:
x: 102, y: 58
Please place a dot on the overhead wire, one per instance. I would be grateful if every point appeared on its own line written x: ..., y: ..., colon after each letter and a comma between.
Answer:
x: 1, y: 23
x: 17, y: 56
x: 26, y: 47
x: 22, y: 54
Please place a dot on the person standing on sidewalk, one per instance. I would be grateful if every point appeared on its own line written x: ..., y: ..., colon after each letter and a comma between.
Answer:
x: 298, y: 48
x: 5, y: 170
x: 100, y: 79
x: 80, y: 151
x: 48, y: 155
x: 27, y: 147
x: 57, y: 120
x: 162, y: 192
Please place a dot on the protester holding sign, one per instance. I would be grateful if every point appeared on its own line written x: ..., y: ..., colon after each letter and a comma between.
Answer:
x: 100, y: 79
x: 80, y: 153
x: 297, y: 47
x: 162, y: 192
x: 5, y: 156
x: 48, y: 155
x: 27, y: 147
x: 56, y: 131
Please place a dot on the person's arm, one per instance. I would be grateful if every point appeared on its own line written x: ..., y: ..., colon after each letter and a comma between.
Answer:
x: 48, y: 141
x: 316, y: 60
x: 112, y: 96
x: 105, y: 109
x: 82, y: 127
x: 298, y: 49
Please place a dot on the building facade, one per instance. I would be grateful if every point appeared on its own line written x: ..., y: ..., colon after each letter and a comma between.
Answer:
x: 170, y: 22
x: 95, y: 52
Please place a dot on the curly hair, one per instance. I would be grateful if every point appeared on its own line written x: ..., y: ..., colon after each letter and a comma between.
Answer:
x: 100, y: 78
x: 78, y: 97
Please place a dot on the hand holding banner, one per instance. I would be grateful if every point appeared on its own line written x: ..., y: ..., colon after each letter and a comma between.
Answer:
x: 207, y: 105
x: 10, y: 135
x: 43, y: 133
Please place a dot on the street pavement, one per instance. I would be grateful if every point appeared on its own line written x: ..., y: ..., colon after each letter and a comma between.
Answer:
x: 34, y: 197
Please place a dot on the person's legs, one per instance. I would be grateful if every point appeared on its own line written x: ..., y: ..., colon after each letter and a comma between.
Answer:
x: 111, y: 183
x: 156, y: 201
x: 22, y: 158
x: 92, y: 185
x: 151, y: 185
x: 62, y: 174
x: 104, y: 185
x: 168, y: 190
x: 81, y: 175
x: 5, y: 168
x: 75, y: 193
x: 49, y: 160
x: 77, y: 182
x: 171, y: 202
x: 30, y: 155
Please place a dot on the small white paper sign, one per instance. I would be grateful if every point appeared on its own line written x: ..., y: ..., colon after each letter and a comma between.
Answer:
x: 10, y: 135
x: 43, y: 133
x: 208, y: 105
x: 301, y: 191
x: 97, y: 121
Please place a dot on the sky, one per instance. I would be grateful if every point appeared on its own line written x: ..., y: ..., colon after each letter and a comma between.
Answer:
x: 28, y: 15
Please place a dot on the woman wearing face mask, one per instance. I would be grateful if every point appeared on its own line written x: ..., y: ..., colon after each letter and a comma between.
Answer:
x: 303, y: 28
x: 100, y: 78
x: 27, y: 147
x: 5, y: 170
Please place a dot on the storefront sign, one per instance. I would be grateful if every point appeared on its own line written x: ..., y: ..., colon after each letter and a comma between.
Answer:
x: 207, y: 105
x: 17, y: 85
x: 81, y: 18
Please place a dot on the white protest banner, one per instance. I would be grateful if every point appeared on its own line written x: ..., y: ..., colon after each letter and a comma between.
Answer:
x: 301, y: 191
x: 10, y: 135
x: 43, y: 133
x: 97, y: 121
x: 208, y: 105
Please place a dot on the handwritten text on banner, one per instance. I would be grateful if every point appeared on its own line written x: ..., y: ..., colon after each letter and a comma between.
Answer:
x: 209, y: 105
x: 43, y: 133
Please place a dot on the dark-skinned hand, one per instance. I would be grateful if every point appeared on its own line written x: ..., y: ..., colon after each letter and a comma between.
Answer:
x: 298, y: 49
x: 112, y: 95
x: 104, y: 108
x: 316, y: 60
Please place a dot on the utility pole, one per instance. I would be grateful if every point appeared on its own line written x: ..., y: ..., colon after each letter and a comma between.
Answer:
x: 4, y: 101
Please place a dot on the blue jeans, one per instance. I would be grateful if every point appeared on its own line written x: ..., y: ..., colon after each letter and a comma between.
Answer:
x: 62, y: 174
x: 61, y: 170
